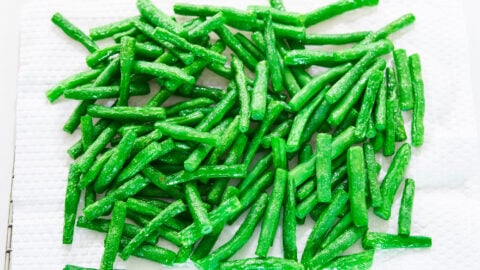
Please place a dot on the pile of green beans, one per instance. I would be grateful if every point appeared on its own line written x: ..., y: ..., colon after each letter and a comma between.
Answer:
x: 185, y: 171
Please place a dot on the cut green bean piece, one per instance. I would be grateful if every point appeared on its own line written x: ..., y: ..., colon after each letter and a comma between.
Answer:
x: 72, y: 198
x: 108, y: 30
x: 406, y: 205
x: 152, y: 252
x: 218, y: 112
x: 357, y: 261
x: 186, y: 120
x: 74, y: 32
x: 378, y: 240
x: 260, y: 167
x: 357, y: 184
x: 323, y: 167
x: 272, y: 213
x: 150, y: 153
x: 381, y: 107
x: 337, y: 247
x: 86, y: 126
x: 300, y: 121
x: 183, y: 254
x: 350, y: 120
x: 390, y: 28
x: 344, y: 223
x: 418, y: 100
x: 373, y: 85
x: 114, y: 234
x: 206, y: 244
x: 279, y: 131
x: 162, y: 70
x: 71, y: 82
x: 171, y: 211
x: 258, y: 54
x: 327, y: 58
x: 233, y: 43
x: 272, y: 57
x: 289, y: 222
x: 115, y: 163
x: 324, y: 222
x: 336, y: 8
x: 316, y: 121
x: 306, y: 206
x: 229, y: 136
x: 94, y: 170
x: 212, y: 171
x: 317, y: 84
x: 127, y: 54
x: 259, y: 92
x: 187, y: 133
x: 372, y: 175
x: 74, y: 267
x: 279, y: 16
x: 239, y: 239
x: 348, y: 101
x: 125, y: 113
x: 188, y: 104
x: 101, y: 92
x: 390, y: 128
x: 207, y: 26
x: 244, y: 96
x: 404, y: 80
x: 214, y: 94
x: 143, y: 141
x: 157, y: 17
x: 198, y: 211
x: 128, y: 189
x: 261, y: 263
x: 305, y: 190
x: 393, y: 179
x: 279, y: 151
x: 334, y: 39
x: 343, y: 141
x: 75, y: 118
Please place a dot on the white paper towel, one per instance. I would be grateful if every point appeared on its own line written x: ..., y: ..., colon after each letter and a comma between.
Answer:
x: 445, y: 171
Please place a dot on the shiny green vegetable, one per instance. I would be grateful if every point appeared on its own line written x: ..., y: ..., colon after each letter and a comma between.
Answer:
x: 418, y: 100
x: 114, y: 235
x: 406, y: 205
x: 74, y: 32
x: 377, y: 240
x: 357, y: 185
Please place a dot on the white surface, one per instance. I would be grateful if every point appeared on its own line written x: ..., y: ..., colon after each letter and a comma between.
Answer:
x: 63, y: 57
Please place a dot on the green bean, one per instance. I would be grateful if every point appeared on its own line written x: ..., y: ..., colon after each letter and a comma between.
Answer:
x: 327, y: 58
x: 86, y: 126
x: 371, y: 130
x: 381, y: 107
x: 128, y: 189
x: 171, y: 211
x: 279, y: 16
x: 349, y: 120
x: 374, y: 83
x: 323, y: 167
x: 101, y: 225
x: 344, y: 223
x: 132, y: 32
x: 207, y: 92
x: 393, y: 179
x: 239, y: 239
x: 350, y: 99
x: 157, y: 17
x: 357, y: 183
x: 152, y: 252
x: 390, y: 28
x: 274, y: 63
x: 261, y: 166
x: 247, y: 197
x: 143, y: 141
x: 250, y: 47
x: 390, y: 128
x: 201, y: 151
x: 302, y: 171
x: 362, y: 260
x: 372, y: 175
x: 378, y: 240
x: 94, y: 170
x: 88, y: 157
x: 279, y: 131
x: 279, y: 152
x: 378, y: 141
x: 72, y: 198
x: 115, y: 163
x: 316, y: 120
x: 187, y: 133
x: 244, y: 97
x: 206, y: 244
x: 277, y: 4
x: 306, y: 206
x: 73, y: 267
x: 151, y: 152
x: 108, y: 73
x: 262, y: 263
x: 186, y: 120
x: 74, y: 32
x: 324, y: 222
x: 259, y: 91
x: 101, y: 92
x: 217, y: 216
x: 75, y: 118
x: 418, y: 99
x: 233, y: 16
x: 334, y: 39
x: 90, y: 196
x: 125, y: 113
x: 274, y: 109
x: 272, y: 213
x: 142, y: 49
x: 127, y: 54
x: 114, y: 234
x: 71, y: 82
x: 183, y: 254
x: 406, y: 205
x: 233, y: 43
x: 162, y: 70
x: 289, y: 222
x: 212, y: 171
x: 163, y: 232
x: 207, y: 26
x: 229, y: 136
x: 343, y: 141
x: 404, y: 80
x: 218, y: 112
x: 305, y: 190
x: 150, y: 209
x: 188, y: 104
x: 334, y: 9
x: 199, y: 213
x: 300, y: 121
x: 299, y: 100
x: 392, y: 90
x: 342, y: 86
x: 108, y: 30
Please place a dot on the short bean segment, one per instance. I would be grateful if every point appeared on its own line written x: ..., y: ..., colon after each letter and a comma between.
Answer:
x: 323, y: 167
x: 157, y: 17
x: 335, y: 39
x: 274, y: 64
x: 372, y: 175
x: 108, y: 30
x: 259, y: 91
x: 361, y: 260
x: 336, y: 8
x: 243, y: 95
x: 280, y: 131
x: 71, y: 82
x: 373, y: 85
x: 127, y: 54
x: 377, y: 240
x: 72, y: 198
x: 198, y: 211
x: 406, y: 205
x: 418, y: 100
x: 262, y: 263
x: 74, y: 32
x: 404, y: 80
x: 357, y: 184
x: 114, y: 234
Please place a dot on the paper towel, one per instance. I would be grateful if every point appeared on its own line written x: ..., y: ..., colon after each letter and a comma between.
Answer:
x: 445, y: 171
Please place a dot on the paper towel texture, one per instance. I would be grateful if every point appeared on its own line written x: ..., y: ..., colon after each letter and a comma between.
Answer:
x: 445, y: 168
